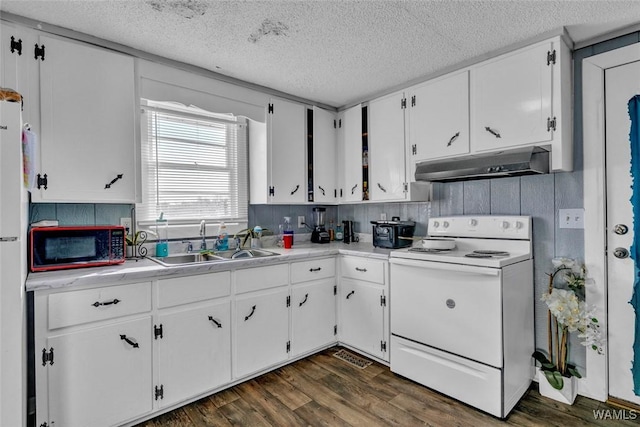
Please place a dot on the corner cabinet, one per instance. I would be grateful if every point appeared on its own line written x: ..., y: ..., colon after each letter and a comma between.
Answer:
x: 88, y: 122
x: 287, y: 160
x: 524, y: 99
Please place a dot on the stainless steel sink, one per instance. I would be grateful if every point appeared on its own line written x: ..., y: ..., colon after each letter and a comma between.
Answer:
x: 194, y: 258
x: 245, y: 253
x: 181, y: 259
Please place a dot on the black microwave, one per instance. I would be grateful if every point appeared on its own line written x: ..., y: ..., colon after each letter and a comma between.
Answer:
x: 58, y: 248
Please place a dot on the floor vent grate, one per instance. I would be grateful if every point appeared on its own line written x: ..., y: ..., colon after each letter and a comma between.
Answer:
x: 352, y: 359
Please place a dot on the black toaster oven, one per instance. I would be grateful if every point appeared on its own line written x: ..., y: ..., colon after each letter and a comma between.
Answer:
x: 393, y: 234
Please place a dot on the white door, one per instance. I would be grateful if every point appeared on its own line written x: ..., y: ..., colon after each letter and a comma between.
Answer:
x: 362, y: 316
x: 622, y: 83
x: 194, y: 351
x: 386, y: 148
x: 324, y: 156
x: 313, y: 316
x: 352, y: 155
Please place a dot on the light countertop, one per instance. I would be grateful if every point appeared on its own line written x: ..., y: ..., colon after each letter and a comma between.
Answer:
x: 146, y: 269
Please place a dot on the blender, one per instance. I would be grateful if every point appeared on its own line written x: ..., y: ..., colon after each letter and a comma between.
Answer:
x: 319, y: 233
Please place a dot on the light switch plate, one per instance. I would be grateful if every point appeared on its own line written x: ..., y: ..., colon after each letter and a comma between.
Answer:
x: 571, y: 218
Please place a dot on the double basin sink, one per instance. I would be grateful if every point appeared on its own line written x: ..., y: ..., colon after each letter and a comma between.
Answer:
x: 218, y: 256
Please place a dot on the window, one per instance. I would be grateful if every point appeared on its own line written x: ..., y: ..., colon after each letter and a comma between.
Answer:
x: 194, y: 165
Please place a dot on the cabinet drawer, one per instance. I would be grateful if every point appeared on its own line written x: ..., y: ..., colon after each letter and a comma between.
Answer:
x: 370, y: 270
x: 253, y: 279
x: 183, y: 290
x: 90, y: 305
x: 312, y: 270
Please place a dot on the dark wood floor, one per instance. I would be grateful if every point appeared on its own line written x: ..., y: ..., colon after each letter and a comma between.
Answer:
x: 325, y: 391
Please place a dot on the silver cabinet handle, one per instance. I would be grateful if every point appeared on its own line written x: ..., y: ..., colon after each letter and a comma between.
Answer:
x: 492, y: 132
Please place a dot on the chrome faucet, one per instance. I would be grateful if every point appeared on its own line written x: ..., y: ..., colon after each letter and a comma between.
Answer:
x: 203, y: 233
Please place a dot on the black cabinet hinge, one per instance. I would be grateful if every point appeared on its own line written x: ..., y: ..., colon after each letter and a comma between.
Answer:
x: 44, y: 425
x: 551, y: 124
x: 340, y: 123
x: 159, y: 392
x: 335, y: 329
x: 335, y: 124
x: 413, y: 101
x: 270, y: 109
x: 157, y: 331
x: 47, y: 356
x: 335, y: 289
x: 288, y: 301
x: 405, y: 187
x: 383, y: 346
x: 38, y: 52
x: 551, y: 57
x: 383, y: 300
x: 16, y: 46
x: 288, y: 346
x: 403, y: 103
x: 272, y: 191
x: 42, y: 181
x: 414, y: 149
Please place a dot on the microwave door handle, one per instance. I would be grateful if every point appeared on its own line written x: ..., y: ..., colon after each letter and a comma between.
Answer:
x: 458, y: 268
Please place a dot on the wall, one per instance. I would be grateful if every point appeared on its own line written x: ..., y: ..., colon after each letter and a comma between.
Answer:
x: 80, y: 213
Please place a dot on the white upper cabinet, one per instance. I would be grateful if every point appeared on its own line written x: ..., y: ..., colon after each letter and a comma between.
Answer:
x: 386, y: 148
x: 88, y: 121
x: 352, y: 155
x: 324, y: 156
x: 523, y: 99
x: 287, y: 152
x: 439, y: 118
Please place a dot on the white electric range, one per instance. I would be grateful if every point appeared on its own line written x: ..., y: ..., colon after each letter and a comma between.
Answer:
x: 462, y: 319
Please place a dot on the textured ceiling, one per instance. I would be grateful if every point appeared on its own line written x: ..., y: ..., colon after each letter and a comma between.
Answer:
x: 332, y: 52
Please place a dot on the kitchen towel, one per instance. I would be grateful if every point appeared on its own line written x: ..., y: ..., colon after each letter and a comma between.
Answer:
x: 29, y: 150
x: 634, y: 138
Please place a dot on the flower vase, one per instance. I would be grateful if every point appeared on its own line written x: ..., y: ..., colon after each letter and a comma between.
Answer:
x: 566, y: 395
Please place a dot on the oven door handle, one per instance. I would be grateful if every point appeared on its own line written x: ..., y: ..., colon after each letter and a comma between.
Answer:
x: 458, y: 268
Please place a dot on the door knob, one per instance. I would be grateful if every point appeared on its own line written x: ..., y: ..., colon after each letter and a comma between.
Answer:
x: 620, y: 229
x: 621, y: 253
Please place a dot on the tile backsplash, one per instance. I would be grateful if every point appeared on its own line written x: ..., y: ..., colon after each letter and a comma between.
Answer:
x: 80, y: 213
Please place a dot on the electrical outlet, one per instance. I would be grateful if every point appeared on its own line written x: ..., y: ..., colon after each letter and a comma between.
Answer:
x: 571, y: 218
x: 301, y: 221
x: 383, y: 216
x: 126, y: 223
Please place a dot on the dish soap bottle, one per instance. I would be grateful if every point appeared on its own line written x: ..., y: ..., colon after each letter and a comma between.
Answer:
x: 162, y: 233
x: 222, y: 244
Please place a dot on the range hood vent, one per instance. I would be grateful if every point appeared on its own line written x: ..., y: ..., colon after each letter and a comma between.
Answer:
x: 507, y: 163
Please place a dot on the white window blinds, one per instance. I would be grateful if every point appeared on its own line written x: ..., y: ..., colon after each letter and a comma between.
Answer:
x: 194, y: 165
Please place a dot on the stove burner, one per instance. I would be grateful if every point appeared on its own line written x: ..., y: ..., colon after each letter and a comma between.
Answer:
x: 477, y: 255
x: 486, y: 254
x: 429, y: 250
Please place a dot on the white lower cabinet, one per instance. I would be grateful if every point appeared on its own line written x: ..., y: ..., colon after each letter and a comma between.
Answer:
x: 313, y: 316
x: 98, y: 376
x: 193, y: 351
x: 364, y: 316
x: 261, y: 330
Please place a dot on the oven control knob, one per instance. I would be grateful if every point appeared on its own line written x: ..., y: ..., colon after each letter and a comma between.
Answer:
x: 436, y: 224
x: 504, y: 225
x: 473, y: 222
x: 518, y: 225
x: 445, y: 224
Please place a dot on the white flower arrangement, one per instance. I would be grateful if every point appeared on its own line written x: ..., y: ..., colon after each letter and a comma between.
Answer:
x: 568, y: 312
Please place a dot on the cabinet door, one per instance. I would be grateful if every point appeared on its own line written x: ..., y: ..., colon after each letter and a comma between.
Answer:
x: 352, y: 155
x: 511, y: 100
x: 97, y: 378
x: 194, y: 351
x: 287, y: 141
x: 20, y: 72
x: 386, y: 148
x: 88, y: 133
x: 261, y: 330
x: 362, y: 316
x: 439, y: 119
x: 313, y: 316
x: 324, y: 157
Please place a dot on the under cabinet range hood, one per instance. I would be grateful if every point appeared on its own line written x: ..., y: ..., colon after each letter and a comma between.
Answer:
x: 529, y: 161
